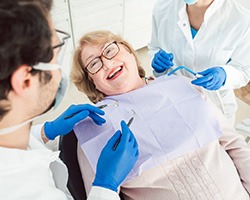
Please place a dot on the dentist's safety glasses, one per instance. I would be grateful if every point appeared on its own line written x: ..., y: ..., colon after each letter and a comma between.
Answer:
x: 185, y: 68
x: 63, y: 38
x: 48, y: 67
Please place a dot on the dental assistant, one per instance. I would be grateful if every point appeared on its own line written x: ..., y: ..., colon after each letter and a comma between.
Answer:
x: 211, y: 37
x: 31, y: 83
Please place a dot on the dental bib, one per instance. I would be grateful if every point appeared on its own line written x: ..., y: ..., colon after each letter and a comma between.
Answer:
x: 171, y: 119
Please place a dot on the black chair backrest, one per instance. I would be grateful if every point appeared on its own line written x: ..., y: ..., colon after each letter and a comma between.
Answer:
x: 68, y: 147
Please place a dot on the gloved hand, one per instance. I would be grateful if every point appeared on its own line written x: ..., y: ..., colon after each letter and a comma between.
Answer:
x: 67, y: 120
x: 114, y: 165
x: 212, y: 79
x: 162, y: 61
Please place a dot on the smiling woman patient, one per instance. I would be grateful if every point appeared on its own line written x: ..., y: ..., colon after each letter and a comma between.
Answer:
x: 187, y: 149
x: 91, y: 71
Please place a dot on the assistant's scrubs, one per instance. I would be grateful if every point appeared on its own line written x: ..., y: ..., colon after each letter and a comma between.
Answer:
x: 222, y: 40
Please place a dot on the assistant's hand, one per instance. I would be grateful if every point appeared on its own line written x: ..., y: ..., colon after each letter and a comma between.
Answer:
x: 67, y: 120
x: 114, y: 165
x: 162, y: 61
x: 212, y: 79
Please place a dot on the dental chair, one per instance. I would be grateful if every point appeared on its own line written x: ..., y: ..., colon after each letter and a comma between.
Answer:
x: 68, y: 148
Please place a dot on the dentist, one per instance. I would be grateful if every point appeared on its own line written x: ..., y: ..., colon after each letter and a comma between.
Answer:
x: 32, y: 82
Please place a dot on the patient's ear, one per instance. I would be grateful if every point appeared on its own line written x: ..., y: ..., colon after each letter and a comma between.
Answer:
x: 21, y: 79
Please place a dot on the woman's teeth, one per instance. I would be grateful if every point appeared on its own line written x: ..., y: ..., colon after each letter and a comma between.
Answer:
x: 113, y: 74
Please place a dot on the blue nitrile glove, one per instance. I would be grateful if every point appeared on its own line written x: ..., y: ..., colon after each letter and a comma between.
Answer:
x: 114, y: 165
x: 162, y: 61
x: 212, y: 79
x: 67, y: 120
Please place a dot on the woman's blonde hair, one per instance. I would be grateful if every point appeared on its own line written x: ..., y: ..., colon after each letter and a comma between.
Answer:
x: 80, y: 76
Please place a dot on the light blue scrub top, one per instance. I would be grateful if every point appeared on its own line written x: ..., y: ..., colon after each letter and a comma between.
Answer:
x: 193, y: 32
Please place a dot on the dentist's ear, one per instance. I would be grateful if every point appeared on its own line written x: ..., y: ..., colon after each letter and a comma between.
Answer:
x: 21, y: 79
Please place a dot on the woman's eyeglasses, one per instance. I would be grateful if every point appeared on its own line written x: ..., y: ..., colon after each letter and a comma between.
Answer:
x: 109, y: 52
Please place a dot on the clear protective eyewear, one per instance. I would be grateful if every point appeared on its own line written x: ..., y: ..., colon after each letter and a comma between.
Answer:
x: 108, y: 52
x: 64, y: 38
x: 185, y: 68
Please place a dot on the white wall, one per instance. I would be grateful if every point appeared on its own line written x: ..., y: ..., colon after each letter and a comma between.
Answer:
x: 129, y: 18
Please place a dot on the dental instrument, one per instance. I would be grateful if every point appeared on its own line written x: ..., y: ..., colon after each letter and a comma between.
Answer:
x: 119, y: 139
x: 185, y: 68
x: 114, y: 103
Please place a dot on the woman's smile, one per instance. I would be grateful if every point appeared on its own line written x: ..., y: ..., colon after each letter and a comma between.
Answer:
x: 116, y: 72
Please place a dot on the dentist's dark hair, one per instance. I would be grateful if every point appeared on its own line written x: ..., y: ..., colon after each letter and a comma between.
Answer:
x: 25, y: 39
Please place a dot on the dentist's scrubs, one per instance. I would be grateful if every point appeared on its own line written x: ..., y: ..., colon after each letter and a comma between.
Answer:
x: 39, y: 174
x: 222, y: 40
